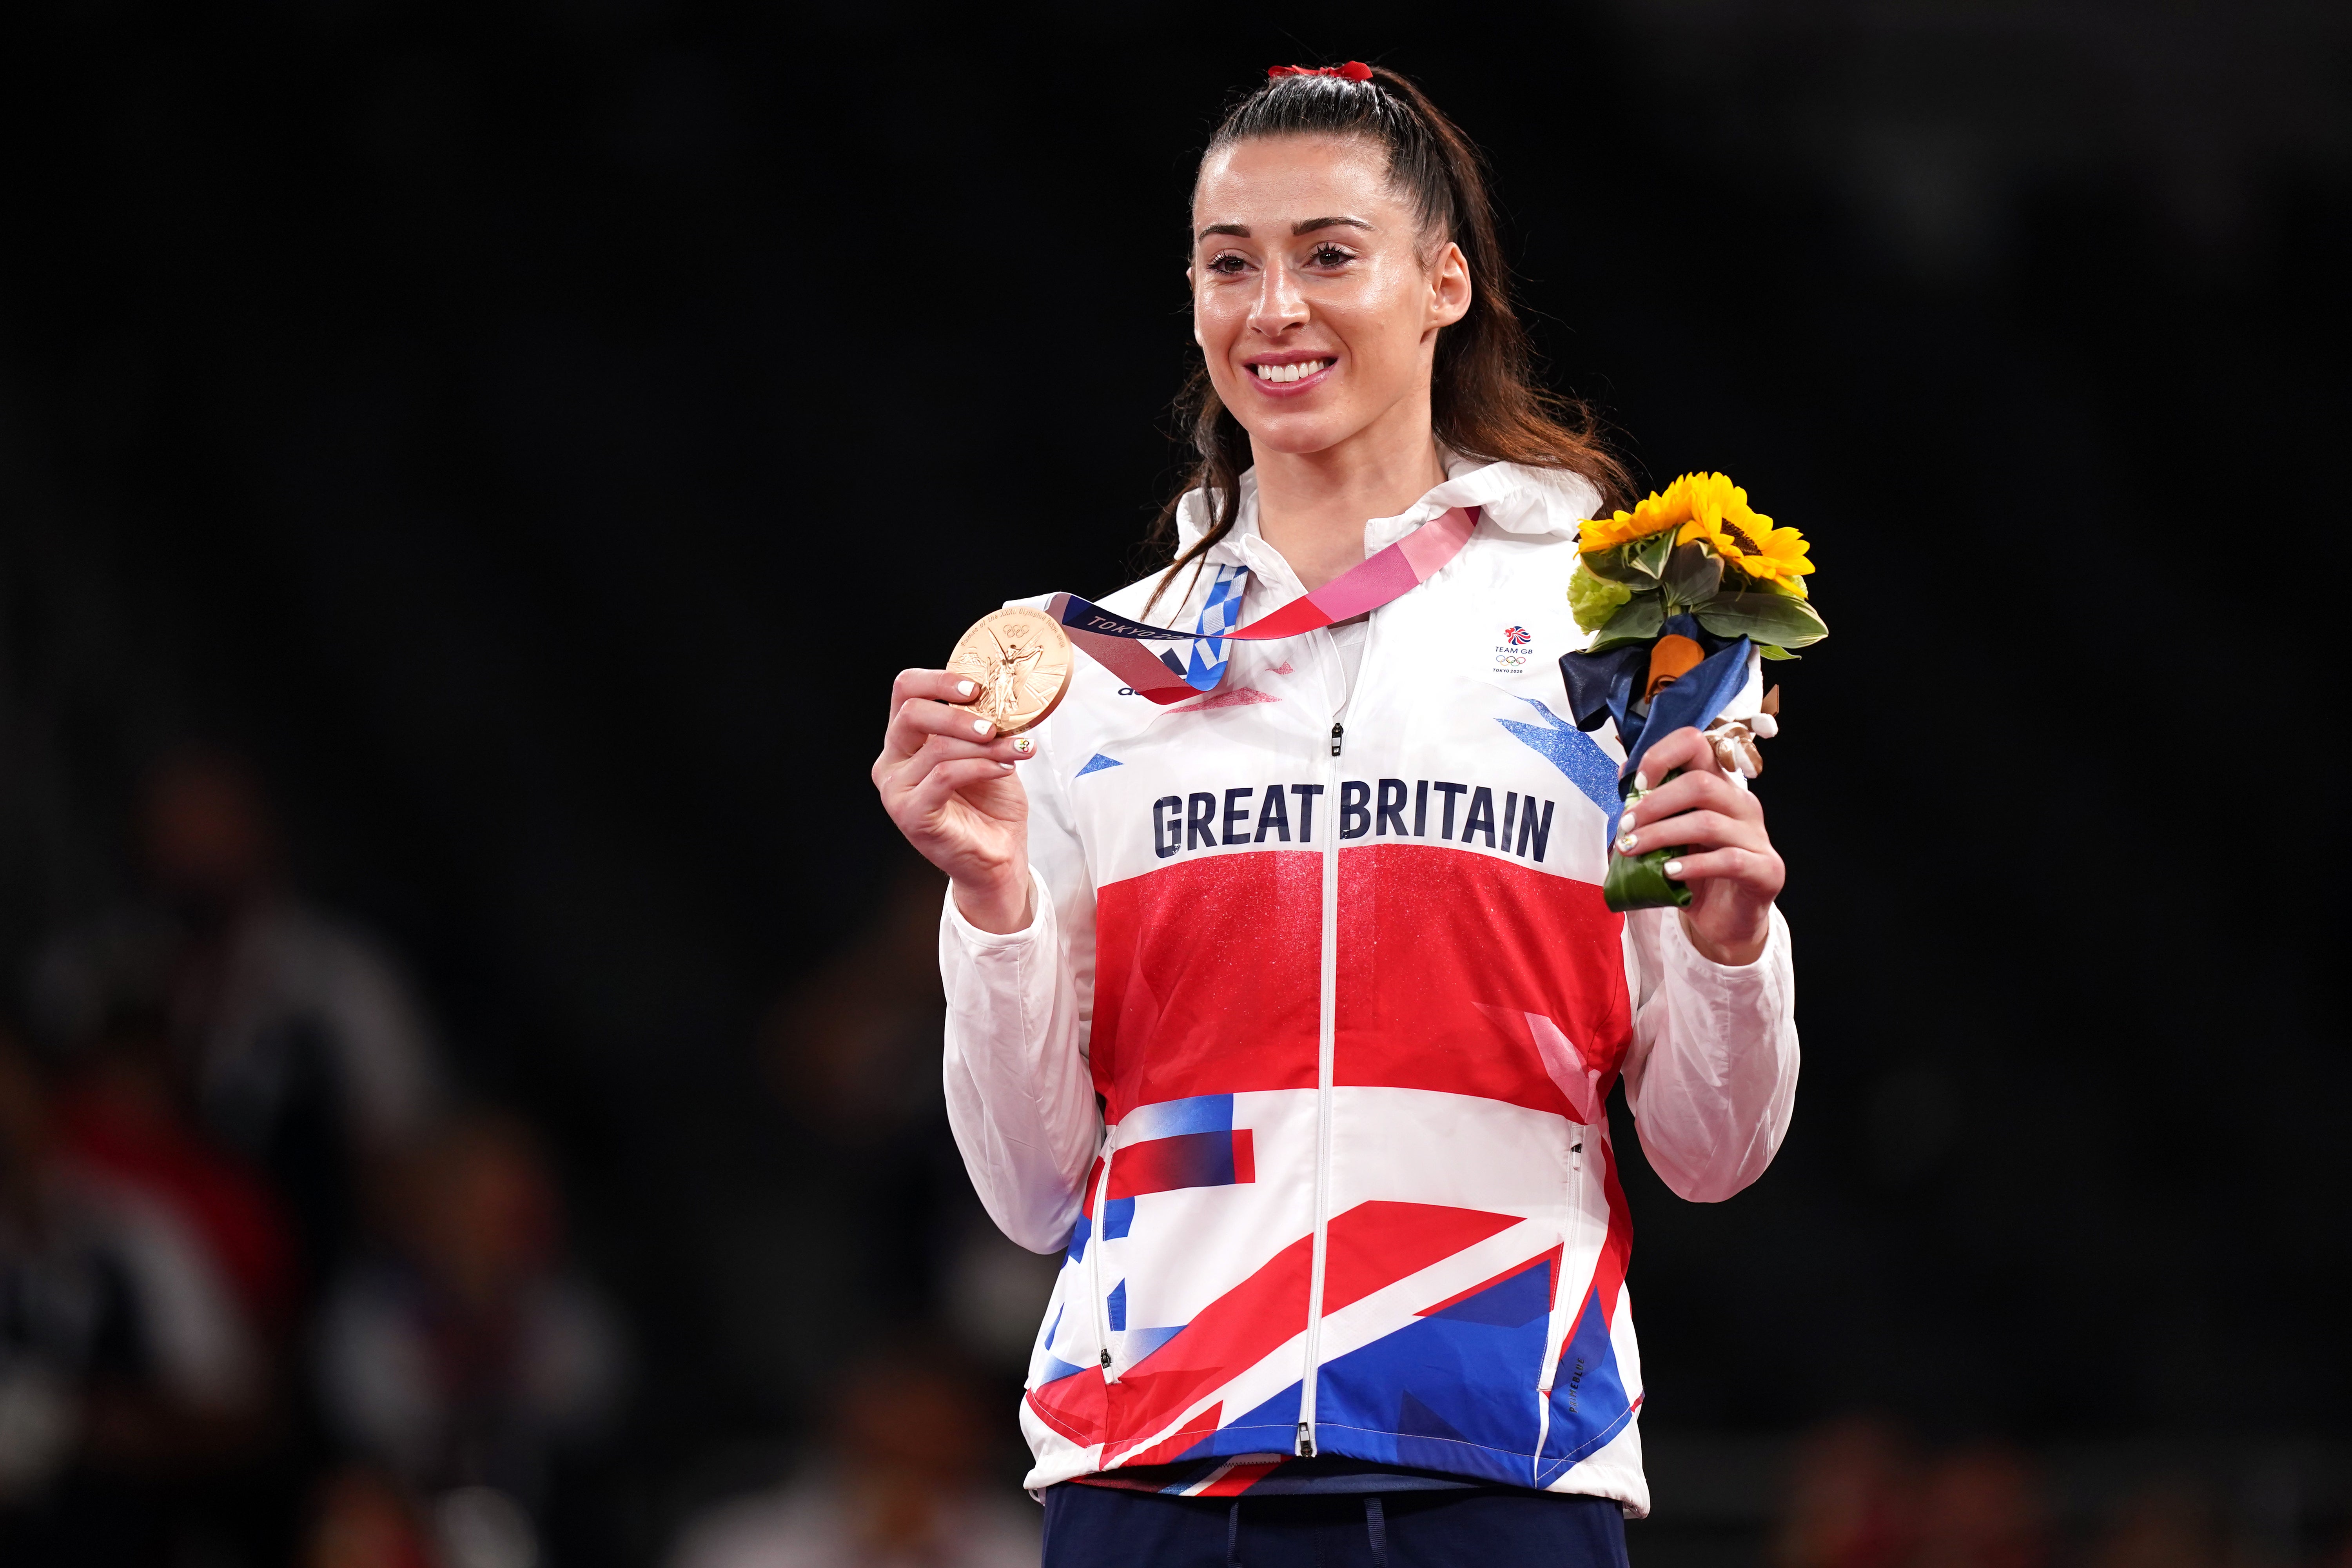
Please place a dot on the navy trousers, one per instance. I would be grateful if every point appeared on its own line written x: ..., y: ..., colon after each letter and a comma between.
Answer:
x: 1098, y: 1527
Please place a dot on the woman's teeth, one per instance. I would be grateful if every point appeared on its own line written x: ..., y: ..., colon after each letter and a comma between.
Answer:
x: 1299, y: 372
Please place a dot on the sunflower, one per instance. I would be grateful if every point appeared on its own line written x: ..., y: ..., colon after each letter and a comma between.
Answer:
x: 1721, y: 518
x: 1778, y: 558
x: 1719, y: 515
x: 1656, y: 515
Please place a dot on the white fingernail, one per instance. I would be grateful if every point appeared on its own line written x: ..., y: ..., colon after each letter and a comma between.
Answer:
x: 1006, y: 766
x: 1674, y: 868
x: 1641, y: 780
x: 965, y: 688
x: 1625, y: 842
x: 1025, y: 745
x: 980, y: 726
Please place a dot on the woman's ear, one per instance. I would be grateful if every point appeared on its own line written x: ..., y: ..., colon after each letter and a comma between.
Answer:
x: 1449, y: 287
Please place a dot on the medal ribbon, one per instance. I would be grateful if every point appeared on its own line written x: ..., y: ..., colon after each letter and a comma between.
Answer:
x: 1112, y: 640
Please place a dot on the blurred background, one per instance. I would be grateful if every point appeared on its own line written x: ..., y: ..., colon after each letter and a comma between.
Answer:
x: 468, y: 472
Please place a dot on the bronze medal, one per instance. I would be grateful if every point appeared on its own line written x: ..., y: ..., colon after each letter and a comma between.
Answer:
x: 1020, y: 658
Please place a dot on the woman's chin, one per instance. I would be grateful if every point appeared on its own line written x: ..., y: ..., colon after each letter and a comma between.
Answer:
x: 1298, y: 435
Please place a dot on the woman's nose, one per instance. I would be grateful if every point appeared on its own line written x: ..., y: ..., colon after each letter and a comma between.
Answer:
x: 1280, y: 305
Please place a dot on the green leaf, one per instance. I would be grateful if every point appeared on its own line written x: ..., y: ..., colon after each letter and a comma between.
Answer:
x: 1694, y: 576
x: 1610, y: 566
x: 1738, y: 580
x: 1648, y: 557
x: 1593, y: 600
x: 1638, y: 620
x: 1775, y: 618
x: 1769, y: 651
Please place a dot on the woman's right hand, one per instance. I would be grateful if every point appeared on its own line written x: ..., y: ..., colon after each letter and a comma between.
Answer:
x: 946, y: 778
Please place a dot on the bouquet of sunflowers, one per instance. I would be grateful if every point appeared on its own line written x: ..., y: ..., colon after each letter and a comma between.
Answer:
x: 1685, y: 595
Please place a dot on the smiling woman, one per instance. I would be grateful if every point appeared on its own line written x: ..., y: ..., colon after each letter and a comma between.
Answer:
x: 1283, y: 999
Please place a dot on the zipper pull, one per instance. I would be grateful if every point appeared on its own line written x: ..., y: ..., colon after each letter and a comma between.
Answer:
x: 1335, y: 734
x: 1106, y: 1358
x: 1305, y: 1441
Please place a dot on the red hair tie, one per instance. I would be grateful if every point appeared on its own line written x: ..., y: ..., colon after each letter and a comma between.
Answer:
x: 1354, y: 70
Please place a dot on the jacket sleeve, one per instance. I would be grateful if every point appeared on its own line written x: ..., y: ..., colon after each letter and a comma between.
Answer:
x: 1712, y: 1075
x: 1020, y: 1098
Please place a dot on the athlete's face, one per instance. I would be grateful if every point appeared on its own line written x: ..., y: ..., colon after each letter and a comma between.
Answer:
x: 1316, y: 296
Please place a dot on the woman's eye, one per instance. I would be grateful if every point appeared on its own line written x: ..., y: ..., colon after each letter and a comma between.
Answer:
x: 1329, y: 256
x: 1227, y: 265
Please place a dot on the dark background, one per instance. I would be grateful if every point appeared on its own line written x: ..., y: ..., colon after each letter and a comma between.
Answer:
x: 536, y: 434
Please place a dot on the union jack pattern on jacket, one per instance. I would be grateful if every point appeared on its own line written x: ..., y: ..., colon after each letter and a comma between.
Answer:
x: 1338, y: 972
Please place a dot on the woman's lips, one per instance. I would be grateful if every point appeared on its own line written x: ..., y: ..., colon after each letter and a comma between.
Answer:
x: 1310, y: 373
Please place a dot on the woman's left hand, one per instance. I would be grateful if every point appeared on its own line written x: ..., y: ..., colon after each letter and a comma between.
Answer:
x: 1729, y: 864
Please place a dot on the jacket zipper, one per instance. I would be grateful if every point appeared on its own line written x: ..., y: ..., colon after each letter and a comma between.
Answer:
x: 1326, y: 1034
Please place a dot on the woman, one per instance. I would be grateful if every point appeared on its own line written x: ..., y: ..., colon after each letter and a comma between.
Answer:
x: 1292, y: 1011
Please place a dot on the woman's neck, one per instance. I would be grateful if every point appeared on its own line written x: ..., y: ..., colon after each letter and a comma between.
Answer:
x: 1312, y: 506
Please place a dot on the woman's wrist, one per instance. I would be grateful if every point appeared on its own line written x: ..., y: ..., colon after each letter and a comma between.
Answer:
x: 998, y: 905
x: 1730, y: 951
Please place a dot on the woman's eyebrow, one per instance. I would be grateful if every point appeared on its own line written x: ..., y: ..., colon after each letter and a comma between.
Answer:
x: 1304, y: 225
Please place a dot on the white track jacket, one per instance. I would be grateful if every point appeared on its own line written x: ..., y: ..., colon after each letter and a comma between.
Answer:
x: 1304, y: 1059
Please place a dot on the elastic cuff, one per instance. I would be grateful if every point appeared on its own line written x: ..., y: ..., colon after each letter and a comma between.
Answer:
x: 1041, y: 906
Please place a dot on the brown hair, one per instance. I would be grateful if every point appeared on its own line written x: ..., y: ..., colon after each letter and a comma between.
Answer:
x: 1483, y: 398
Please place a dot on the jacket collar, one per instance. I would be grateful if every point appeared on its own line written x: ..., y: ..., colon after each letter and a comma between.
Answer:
x: 1536, y: 502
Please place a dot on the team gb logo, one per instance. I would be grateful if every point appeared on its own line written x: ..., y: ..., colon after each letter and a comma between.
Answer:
x: 1511, y: 653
